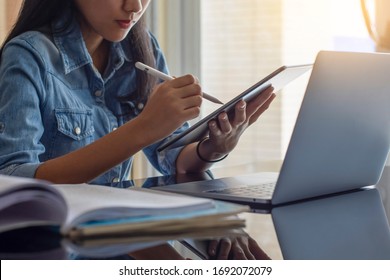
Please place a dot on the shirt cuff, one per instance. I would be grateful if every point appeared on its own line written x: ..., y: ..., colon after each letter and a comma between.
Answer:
x: 21, y: 170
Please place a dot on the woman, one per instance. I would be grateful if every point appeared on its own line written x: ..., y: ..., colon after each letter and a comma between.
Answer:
x: 74, y: 109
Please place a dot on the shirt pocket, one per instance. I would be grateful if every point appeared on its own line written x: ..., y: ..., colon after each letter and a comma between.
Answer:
x: 75, y: 123
x: 73, y: 130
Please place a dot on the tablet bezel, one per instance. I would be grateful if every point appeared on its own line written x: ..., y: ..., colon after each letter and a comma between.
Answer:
x: 278, y: 79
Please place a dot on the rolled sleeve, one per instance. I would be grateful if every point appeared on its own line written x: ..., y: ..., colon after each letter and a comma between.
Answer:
x: 165, y: 161
x: 21, y: 170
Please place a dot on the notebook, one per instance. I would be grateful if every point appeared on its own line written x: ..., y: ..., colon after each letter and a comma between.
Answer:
x: 340, y: 141
x: 278, y: 79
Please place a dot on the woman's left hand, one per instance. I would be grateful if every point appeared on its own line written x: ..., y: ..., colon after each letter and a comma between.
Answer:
x: 239, y: 248
x: 226, y: 131
x: 224, y: 134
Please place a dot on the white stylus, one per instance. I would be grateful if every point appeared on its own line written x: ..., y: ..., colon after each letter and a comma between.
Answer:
x: 166, y: 77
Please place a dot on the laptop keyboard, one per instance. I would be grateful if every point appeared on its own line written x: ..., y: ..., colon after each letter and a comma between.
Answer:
x: 262, y: 190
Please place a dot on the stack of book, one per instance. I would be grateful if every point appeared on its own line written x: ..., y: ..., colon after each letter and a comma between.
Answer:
x: 94, y: 217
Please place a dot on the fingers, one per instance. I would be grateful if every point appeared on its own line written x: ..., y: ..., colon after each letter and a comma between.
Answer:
x: 182, y: 87
x: 239, y: 248
x: 185, y: 86
x: 220, y: 249
x: 240, y: 251
x: 257, y: 252
x: 183, y: 95
x: 213, y: 247
x: 254, y: 117
x: 175, y: 102
x: 224, y: 124
x: 234, y: 248
x: 244, y: 250
x: 260, y: 101
x: 182, y: 81
x: 240, y: 113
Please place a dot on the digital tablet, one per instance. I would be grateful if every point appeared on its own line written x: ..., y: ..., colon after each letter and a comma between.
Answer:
x: 278, y: 79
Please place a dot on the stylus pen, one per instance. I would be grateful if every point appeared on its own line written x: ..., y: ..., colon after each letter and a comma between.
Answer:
x: 165, y: 77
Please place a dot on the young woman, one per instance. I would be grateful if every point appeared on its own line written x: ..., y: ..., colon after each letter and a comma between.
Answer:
x: 74, y: 109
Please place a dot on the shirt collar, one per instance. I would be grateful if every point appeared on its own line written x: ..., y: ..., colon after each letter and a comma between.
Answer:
x: 70, y: 43
x: 121, y: 52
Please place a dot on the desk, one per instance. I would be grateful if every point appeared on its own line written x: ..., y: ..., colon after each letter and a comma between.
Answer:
x: 350, y: 219
x: 263, y: 229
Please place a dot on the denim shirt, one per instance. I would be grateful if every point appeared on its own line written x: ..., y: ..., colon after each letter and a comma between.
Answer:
x: 53, y: 101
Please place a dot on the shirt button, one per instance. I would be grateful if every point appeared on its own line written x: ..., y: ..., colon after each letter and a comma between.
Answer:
x: 98, y: 93
x: 114, y: 128
x: 115, y: 180
x: 77, y: 130
x: 140, y: 106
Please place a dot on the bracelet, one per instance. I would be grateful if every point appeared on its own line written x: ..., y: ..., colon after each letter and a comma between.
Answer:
x: 207, y: 160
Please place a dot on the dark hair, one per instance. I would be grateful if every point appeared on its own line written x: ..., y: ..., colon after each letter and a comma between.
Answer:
x: 38, y: 14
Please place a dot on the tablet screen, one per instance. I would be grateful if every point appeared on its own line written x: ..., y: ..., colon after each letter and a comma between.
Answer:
x: 278, y: 79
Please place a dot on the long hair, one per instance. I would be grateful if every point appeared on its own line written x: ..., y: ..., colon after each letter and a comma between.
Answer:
x: 37, y: 14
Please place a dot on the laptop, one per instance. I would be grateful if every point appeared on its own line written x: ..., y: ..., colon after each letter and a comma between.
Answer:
x: 340, y: 141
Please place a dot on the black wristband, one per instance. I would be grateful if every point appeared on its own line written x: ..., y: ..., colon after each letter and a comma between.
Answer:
x: 207, y: 160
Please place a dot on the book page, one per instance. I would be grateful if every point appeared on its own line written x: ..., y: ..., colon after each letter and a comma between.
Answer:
x: 13, y: 183
x: 28, y: 202
x: 91, y: 202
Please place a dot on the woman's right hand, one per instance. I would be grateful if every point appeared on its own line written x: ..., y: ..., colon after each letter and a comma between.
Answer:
x: 170, y: 105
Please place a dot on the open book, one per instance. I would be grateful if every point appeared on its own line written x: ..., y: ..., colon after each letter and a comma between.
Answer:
x: 84, y: 212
